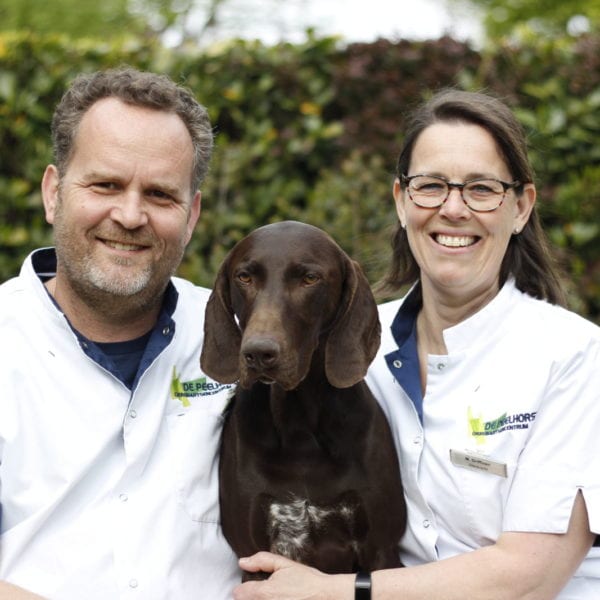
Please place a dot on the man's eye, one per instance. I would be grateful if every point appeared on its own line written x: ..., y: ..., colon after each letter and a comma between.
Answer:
x: 105, y: 185
x: 160, y: 195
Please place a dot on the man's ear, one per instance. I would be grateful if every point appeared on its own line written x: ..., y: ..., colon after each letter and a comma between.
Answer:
x: 399, y: 200
x: 193, y: 216
x: 50, y: 183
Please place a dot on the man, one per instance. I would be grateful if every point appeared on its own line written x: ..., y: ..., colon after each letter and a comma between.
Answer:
x: 108, y: 430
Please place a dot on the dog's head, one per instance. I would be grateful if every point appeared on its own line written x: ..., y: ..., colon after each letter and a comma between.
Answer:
x: 282, y: 291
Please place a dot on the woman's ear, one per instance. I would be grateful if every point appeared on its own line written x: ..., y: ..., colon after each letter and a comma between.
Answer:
x: 524, y: 206
x: 399, y: 200
x: 50, y: 183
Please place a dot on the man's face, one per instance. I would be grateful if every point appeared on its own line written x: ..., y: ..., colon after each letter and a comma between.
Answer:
x: 124, y: 210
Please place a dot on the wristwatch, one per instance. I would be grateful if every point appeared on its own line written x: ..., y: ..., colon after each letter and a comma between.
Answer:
x: 362, y: 586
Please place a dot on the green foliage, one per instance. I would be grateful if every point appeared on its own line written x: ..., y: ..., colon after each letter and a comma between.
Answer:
x: 509, y: 17
x: 109, y: 19
x: 78, y: 19
x: 311, y: 132
x: 353, y: 202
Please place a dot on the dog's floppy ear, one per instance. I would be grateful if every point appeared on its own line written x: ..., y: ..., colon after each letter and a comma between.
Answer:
x: 356, y: 333
x: 222, y: 336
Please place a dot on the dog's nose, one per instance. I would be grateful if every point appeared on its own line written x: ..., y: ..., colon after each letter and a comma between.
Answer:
x: 260, y: 353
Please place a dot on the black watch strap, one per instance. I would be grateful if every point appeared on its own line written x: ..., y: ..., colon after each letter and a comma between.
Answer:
x: 362, y: 586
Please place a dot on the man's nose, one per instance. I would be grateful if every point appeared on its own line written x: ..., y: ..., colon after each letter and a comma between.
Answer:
x: 130, y: 210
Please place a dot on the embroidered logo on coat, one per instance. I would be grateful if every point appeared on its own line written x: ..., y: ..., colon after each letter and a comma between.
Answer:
x: 184, y: 390
x: 479, y: 428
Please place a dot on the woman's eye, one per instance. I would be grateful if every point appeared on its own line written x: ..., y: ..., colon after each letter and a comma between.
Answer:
x: 482, y: 189
x: 430, y: 187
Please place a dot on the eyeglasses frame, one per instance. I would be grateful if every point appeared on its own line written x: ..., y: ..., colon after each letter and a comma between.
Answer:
x: 406, y: 179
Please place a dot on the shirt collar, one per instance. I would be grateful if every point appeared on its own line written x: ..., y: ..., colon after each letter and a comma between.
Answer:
x: 44, y: 265
x: 404, y: 322
x: 403, y: 363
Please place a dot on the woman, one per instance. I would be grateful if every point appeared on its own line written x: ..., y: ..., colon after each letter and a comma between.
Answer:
x: 491, y: 388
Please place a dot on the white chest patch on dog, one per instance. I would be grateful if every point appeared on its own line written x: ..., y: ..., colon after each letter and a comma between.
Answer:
x: 292, y: 524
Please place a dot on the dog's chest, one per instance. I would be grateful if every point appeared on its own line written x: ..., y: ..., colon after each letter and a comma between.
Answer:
x: 298, y: 526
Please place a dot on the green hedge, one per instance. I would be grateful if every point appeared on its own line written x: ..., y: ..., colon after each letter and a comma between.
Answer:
x: 311, y: 132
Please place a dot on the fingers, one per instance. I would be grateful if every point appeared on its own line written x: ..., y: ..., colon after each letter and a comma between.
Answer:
x: 264, y: 561
x: 247, y: 591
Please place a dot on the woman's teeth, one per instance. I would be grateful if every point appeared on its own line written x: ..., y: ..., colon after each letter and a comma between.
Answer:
x: 455, y: 241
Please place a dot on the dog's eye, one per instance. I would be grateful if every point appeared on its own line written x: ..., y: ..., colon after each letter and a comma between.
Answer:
x: 243, y: 277
x: 310, y: 279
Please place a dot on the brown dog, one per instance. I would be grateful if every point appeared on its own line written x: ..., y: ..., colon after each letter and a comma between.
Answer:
x: 308, y: 467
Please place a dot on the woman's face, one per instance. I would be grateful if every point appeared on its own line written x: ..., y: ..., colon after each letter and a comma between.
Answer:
x: 459, y: 251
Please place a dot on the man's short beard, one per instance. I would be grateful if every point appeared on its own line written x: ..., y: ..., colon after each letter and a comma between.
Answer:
x: 120, y: 295
x: 123, y: 286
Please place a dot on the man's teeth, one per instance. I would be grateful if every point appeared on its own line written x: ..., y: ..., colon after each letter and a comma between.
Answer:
x: 455, y: 241
x: 119, y: 246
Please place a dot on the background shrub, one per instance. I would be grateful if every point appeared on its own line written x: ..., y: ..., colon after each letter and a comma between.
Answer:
x: 311, y: 132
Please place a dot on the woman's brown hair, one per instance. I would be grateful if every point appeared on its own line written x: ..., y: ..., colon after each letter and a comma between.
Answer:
x: 528, y: 257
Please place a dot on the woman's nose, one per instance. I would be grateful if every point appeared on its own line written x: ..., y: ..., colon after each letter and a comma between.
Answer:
x: 455, y: 207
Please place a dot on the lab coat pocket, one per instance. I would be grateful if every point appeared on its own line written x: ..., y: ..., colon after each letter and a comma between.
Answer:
x: 484, y: 494
x: 196, y: 436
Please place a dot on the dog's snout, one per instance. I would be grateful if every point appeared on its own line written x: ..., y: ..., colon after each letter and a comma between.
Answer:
x: 261, y: 353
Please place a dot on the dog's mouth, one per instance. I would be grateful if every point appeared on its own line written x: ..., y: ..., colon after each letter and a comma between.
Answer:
x: 251, y: 376
x: 266, y: 377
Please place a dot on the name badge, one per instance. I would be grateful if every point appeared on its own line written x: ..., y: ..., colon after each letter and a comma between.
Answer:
x: 478, y: 462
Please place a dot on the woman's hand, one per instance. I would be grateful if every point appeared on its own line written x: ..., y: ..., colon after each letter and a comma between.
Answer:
x: 290, y: 580
x: 526, y: 565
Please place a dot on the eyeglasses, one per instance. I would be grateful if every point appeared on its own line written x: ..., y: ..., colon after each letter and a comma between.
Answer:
x: 480, y: 195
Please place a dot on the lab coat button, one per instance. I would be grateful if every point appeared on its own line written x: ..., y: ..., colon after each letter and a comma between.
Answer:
x: 426, y: 523
x: 133, y: 583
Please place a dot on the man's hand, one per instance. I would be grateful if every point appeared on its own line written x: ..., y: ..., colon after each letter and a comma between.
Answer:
x: 8, y: 591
